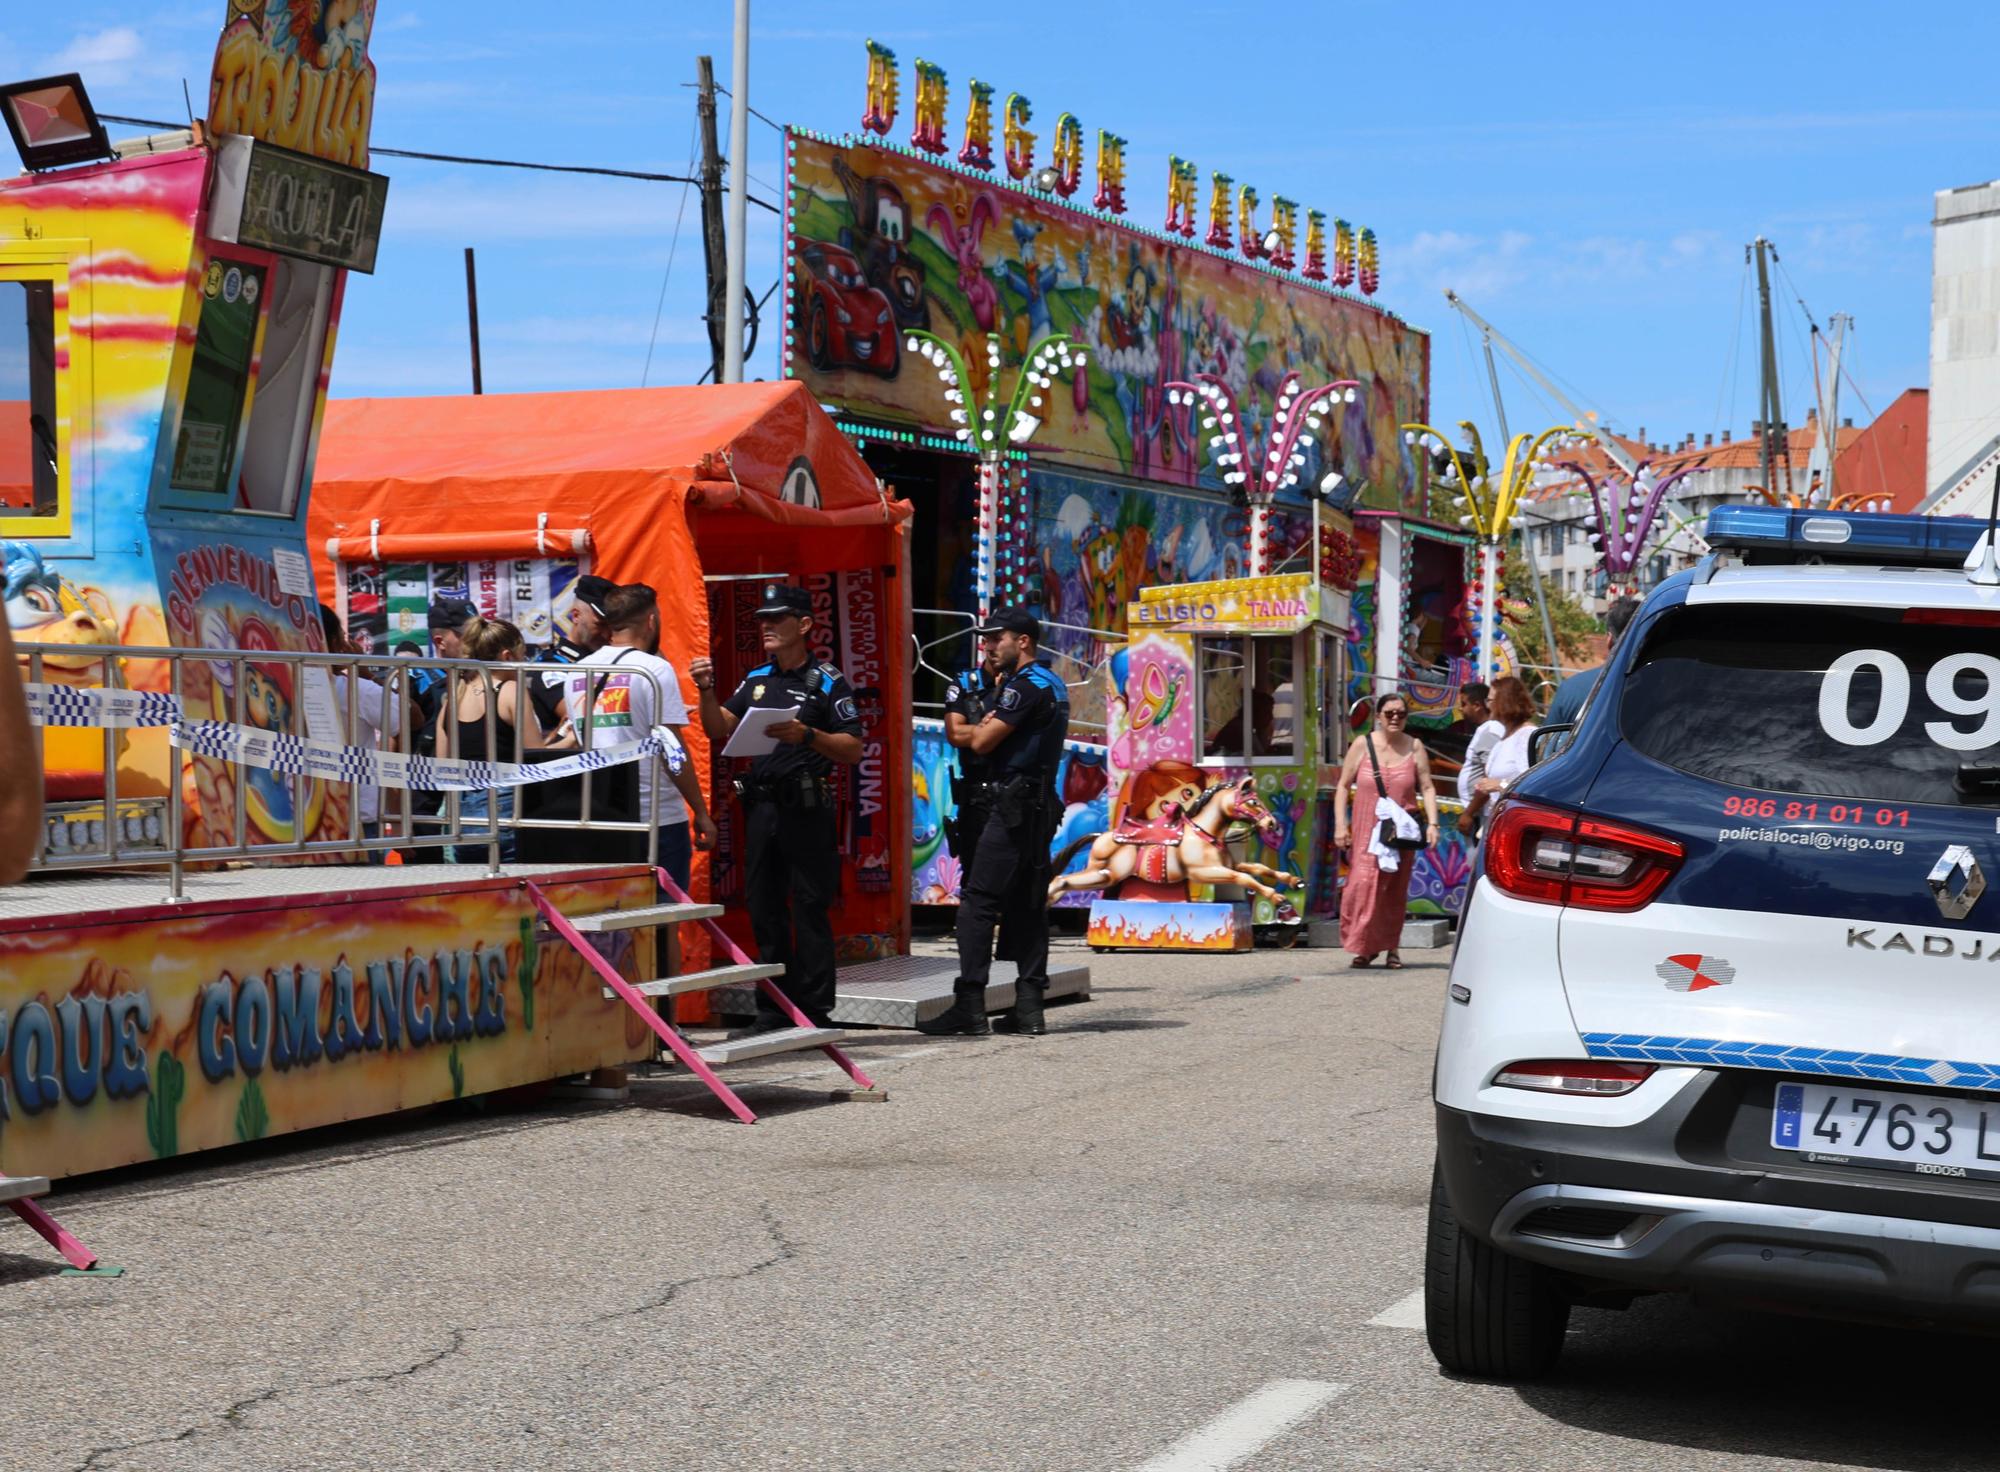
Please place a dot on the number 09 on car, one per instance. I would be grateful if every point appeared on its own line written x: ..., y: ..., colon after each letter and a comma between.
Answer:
x: 1888, y: 1130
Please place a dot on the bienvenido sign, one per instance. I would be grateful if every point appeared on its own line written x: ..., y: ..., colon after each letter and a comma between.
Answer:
x: 287, y: 202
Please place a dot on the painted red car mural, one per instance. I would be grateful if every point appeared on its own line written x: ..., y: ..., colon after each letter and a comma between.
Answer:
x: 848, y: 323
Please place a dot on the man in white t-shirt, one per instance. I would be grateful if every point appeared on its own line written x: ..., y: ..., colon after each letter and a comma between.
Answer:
x: 612, y: 683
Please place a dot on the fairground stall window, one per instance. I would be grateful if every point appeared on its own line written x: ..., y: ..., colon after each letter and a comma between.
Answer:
x: 40, y: 368
x: 1249, y: 708
x: 1331, y: 722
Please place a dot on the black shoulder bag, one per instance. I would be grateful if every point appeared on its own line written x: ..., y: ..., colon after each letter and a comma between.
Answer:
x: 1390, y: 838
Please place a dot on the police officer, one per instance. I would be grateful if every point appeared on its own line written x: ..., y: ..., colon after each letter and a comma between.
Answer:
x: 1021, y: 738
x: 792, y: 867
x: 967, y: 700
x: 584, y: 635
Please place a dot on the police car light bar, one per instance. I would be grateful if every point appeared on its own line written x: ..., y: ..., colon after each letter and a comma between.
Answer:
x: 1776, y: 534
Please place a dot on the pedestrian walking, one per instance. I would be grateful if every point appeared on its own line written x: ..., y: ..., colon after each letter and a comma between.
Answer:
x: 792, y: 867
x: 613, y: 688
x: 1388, y: 773
x: 1007, y: 886
x: 1503, y: 741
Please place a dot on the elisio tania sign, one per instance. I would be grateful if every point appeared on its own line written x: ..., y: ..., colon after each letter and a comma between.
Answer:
x: 282, y: 201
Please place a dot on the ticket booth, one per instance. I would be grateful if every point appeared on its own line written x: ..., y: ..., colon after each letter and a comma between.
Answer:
x: 168, y: 308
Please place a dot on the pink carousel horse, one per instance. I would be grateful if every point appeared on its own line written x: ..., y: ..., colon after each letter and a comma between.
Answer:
x: 1182, y: 847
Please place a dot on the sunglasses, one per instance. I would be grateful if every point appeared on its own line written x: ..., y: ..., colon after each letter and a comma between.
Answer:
x: 1395, y: 715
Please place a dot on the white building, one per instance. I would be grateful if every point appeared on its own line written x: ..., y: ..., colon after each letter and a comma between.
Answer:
x: 1964, y: 439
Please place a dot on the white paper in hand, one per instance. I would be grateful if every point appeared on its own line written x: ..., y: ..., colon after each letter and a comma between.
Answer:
x: 752, y: 736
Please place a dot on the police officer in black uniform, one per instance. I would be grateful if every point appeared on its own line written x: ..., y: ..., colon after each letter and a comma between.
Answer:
x: 967, y: 701
x: 793, y: 867
x: 571, y: 645
x: 1021, y: 738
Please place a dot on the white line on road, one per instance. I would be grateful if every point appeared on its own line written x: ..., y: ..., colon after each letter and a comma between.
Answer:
x: 1404, y: 1313
x: 1245, y: 1427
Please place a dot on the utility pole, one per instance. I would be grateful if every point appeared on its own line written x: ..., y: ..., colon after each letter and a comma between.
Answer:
x: 739, y: 196
x: 714, y: 242
x: 472, y: 317
x: 1771, y: 407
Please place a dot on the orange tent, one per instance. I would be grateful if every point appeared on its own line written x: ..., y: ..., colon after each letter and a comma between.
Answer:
x: 675, y: 487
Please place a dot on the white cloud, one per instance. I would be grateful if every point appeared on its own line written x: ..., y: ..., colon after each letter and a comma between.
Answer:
x: 111, y: 56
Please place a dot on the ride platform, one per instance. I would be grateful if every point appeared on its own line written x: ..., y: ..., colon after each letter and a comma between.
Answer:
x: 901, y: 991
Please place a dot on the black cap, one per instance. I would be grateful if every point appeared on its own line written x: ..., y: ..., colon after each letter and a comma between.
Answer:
x: 1012, y: 621
x: 451, y: 613
x: 780, y: 600
x: 591, y: 591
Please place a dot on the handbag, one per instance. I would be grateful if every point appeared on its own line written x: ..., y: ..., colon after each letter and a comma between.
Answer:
x: 1388, y: 836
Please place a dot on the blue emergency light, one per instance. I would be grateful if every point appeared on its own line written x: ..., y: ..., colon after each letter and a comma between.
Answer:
x: 1778, y: 534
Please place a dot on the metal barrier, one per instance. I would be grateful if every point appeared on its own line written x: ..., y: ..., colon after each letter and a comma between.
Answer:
x: 233, y: 686
x: 965, y: 623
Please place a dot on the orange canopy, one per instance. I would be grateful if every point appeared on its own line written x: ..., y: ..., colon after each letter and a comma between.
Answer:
x: 663, y: 486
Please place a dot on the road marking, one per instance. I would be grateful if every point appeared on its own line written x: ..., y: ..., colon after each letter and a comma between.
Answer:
x: 1245, y: 1427
x: 1404, y: 1313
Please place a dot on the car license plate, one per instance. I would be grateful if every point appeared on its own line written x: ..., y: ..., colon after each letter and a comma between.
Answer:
x: 1926, y: 1134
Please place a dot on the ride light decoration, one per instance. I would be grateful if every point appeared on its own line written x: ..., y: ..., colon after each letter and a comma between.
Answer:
x: 994, y: 432
x: 53, y: 123
x: 1278, y: 463
x: 1621, y: 519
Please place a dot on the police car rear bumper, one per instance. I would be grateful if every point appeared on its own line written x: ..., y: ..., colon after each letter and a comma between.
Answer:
x: 1654, y: 1208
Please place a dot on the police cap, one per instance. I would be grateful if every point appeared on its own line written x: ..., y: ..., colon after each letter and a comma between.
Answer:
x: 451, y: 613
x: 1012, y: 621
x: 591, y: 591
x: 781, y: 601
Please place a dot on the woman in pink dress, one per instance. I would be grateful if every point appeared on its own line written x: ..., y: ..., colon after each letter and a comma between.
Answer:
x: 1373, y: 904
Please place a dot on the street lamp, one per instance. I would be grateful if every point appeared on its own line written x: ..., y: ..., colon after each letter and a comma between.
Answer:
x: 1489, y: 504
x: 984, y: 427
x: 1294, y: 423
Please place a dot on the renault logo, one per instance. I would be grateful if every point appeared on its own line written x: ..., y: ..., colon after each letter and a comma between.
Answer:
x: 1957, y: 882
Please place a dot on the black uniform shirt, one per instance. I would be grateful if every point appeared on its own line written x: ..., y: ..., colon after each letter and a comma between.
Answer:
x: 823, y: 700
x: 970, y: 697
x: 1035, y: 703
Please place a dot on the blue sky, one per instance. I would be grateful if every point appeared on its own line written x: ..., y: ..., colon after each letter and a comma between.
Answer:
x: 1585, y: 175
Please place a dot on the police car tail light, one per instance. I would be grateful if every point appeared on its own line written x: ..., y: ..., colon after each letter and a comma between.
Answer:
x: 1574, y: 1076
x: 1557, y: 858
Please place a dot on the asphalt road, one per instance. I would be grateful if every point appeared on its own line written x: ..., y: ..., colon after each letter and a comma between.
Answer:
x: 1159, y: 1238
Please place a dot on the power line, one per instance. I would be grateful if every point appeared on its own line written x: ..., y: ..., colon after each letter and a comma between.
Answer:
x: 1730, y: 364
x: 724, y: 91
x: 494, y: 163
x: 673, y: 249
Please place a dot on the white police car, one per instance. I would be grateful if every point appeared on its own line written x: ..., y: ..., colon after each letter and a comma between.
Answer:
x: 1724, y: 1015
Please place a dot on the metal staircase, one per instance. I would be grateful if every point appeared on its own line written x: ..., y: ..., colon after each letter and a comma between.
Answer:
x: 700, y: 1061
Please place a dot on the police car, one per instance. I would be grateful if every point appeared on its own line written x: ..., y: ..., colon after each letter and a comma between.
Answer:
x: 1724, y: 1014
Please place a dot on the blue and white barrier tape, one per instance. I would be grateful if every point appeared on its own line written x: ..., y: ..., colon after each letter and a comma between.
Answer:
x: 331, y: 762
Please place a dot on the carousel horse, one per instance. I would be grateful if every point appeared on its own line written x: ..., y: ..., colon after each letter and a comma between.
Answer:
x: 1183, y: 846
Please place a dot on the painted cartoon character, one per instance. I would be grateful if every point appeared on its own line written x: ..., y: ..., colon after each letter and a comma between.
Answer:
x: 962, y: 241
x: 1034, y: 282
x: 330, y: 33
x: 45, y: 608
x: 880, y: 237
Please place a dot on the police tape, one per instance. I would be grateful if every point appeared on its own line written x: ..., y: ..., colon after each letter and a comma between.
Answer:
x: 65, y: 705
x: 330, y: 762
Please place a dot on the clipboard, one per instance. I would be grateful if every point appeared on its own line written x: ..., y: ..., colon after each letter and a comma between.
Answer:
x: 752, y: 736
